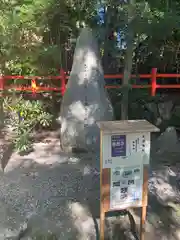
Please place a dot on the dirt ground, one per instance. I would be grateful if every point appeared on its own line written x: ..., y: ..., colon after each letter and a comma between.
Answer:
x: 50, y: 193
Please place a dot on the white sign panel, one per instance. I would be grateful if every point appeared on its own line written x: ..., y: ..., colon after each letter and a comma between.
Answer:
x: 120, y: 149
x: 126, y: 187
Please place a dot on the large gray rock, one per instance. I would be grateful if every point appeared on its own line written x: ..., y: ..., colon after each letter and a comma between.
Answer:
x: 86, y: 100
x: 167, y: 142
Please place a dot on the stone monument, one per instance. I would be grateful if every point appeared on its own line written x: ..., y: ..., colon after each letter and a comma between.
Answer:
x: 86, y: 100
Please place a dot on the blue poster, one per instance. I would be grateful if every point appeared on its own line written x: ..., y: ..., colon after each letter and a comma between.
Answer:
x: 118, y: 146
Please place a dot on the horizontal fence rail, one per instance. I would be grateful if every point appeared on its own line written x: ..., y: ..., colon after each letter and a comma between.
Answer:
x: 34, y: 88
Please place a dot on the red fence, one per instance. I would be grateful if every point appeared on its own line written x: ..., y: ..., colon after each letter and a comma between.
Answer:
x: 62, y: 77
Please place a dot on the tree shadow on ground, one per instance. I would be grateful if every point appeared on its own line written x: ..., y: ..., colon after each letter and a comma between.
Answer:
x: 63, y: 195
x: 163, y: 211
x: 66, y: 197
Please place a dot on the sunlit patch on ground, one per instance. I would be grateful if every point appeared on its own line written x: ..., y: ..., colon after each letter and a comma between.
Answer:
x: 83, y: 221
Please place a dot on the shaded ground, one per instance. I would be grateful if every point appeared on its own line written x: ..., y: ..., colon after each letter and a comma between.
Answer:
x: 49, y: 191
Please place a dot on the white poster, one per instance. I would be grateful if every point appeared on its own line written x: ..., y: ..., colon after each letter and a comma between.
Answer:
x: 125, y: 149
x: 126, y: 186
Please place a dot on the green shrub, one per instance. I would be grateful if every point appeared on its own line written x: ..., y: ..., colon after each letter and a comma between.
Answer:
x: 23, y: 117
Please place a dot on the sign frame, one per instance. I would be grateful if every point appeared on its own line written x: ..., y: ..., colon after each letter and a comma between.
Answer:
x: 122, y: 128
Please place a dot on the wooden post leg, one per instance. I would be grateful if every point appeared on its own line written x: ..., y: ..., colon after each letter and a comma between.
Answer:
x: 102, y: 219
x: 143, y: 221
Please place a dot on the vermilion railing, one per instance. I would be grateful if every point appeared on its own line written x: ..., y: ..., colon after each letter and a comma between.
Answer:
x: 35, y: 89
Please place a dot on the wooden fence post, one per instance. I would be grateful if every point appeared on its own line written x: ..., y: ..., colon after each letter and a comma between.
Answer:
x: 153, y: 81
x: 63, y: 81
x: 33, y: 87
x: 1, y: 83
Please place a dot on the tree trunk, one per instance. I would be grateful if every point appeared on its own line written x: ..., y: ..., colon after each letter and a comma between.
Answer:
x: 106, y: 40
x: 1, y: 100
x: 128, y: 61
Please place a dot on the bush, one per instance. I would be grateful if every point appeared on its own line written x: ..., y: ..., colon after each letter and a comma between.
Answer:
x: 23, y: 117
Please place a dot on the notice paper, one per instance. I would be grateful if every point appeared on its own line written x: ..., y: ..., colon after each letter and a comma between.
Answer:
x: 126, y: 186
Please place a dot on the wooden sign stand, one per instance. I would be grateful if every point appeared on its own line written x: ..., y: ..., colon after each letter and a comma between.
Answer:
x: 143, y: 209
x: 115, y: 128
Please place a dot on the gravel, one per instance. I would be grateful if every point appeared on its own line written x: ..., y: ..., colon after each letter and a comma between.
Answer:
x: 50, y: 191
x: 47, y: 187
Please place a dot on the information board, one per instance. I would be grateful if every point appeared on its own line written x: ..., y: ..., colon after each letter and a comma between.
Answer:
x: 126, y: 187
x: 125, y: 149
x: 124, y: 160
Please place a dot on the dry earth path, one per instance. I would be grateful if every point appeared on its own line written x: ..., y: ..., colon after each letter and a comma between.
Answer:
x: 49, y: 191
